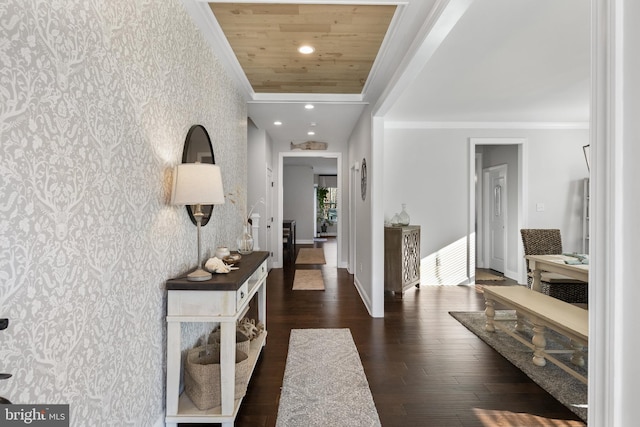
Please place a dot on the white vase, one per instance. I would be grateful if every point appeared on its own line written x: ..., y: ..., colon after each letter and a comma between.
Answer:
x: 222, y: 251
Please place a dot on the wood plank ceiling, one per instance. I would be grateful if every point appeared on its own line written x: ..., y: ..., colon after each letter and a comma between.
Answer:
x: 265, y: 38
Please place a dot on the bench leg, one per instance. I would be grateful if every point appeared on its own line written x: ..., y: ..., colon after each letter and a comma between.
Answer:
x: 540, y: 343
x: 490, y: 313
x: 519, y: 322
x: 578, y: 355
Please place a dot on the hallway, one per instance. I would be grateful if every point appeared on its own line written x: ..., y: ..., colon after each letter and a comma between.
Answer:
x: 423, y: 367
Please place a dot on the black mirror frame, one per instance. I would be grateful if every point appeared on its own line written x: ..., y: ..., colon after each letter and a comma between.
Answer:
x: 188, y: 143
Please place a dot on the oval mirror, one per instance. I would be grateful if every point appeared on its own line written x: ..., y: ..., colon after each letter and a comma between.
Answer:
x: 197, y: 148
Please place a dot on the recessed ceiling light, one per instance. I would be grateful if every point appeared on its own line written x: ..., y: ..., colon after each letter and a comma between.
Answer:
x: 277, y: 123
x: 309, y: 106
x: 312, y: 124
x: 306, y: 49
x: 311, y: 132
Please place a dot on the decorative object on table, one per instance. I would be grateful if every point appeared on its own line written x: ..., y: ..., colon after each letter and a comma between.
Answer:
x: 403, y: 216
x: 197, y: 184
x: 222, y: 252
x: 232, y: 259
x: 395, y: 220
x: 202, y: 376
x: 198, y: 149
x: 245, y: 240
x: 363, y: 179
x: 216, y: 265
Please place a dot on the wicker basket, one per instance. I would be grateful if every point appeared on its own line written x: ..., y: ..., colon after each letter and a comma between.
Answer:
x: 202, y: 376
x: 242, y: 341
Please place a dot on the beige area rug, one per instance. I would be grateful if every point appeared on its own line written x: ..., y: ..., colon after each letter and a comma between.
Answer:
x: 311, y: 256
x: 483, y: 275
x: 324, y: 382
x: 308, y: 280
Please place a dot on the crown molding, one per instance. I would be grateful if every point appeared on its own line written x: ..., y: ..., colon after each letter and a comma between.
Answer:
x: 488, y: 125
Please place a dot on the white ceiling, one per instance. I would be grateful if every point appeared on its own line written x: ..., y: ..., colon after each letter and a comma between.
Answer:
x: 476, y: 61
x: 506, y: 61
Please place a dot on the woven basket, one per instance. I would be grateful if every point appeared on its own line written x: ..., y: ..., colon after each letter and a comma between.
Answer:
x: 202, y: 376
x: 242, y: 341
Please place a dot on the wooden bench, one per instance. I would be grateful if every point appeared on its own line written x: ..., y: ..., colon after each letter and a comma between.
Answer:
x: 542, y: 311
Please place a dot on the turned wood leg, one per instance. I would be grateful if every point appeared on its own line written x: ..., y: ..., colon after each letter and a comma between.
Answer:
x: 537, y: 283
x: 540, y: 343
x: 578, y: 353
x: 490, y: 313
x: 519, y: 322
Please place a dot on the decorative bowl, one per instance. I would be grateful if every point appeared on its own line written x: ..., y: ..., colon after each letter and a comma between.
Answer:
x: 232, y: 258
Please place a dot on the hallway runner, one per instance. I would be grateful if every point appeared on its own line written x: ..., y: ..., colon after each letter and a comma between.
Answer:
x: 308, y: 280
x: 324, y: 383
x: 311, y: 256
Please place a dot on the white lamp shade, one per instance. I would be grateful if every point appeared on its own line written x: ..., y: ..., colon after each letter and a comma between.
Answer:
x: 197, y: 183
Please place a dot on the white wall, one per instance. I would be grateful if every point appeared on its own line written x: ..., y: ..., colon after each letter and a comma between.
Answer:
x: 627, y: 291
x: 97, y: 99
x: 299, y: 201
x: 360, y: 147
x: 428, y: 170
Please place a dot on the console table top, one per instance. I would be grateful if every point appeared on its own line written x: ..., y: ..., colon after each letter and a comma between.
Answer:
x: 231, y: 281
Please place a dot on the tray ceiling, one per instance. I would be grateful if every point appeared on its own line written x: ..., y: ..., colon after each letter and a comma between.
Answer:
x: 265, y: 38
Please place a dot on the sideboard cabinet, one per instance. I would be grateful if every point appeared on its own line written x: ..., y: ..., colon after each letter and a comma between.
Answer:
x: 401, y: 258
x: 223, y: 299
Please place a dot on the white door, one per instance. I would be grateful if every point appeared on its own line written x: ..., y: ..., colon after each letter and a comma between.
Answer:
x: 496, y: 198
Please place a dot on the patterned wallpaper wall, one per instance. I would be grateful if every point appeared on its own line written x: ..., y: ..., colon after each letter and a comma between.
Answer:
x: 96, y: 98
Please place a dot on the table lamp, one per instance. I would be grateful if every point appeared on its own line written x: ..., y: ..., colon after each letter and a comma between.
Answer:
x: 197, y: 184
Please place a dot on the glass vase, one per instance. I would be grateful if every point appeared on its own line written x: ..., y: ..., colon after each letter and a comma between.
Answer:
x: 245, y: 241
x: 403, y: 217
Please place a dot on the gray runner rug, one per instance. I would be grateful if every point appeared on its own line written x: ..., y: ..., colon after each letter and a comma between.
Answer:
x: 565, y: 388
x: 324, y: 383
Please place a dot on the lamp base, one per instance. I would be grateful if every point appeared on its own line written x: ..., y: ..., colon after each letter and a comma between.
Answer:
x: 199, y: 275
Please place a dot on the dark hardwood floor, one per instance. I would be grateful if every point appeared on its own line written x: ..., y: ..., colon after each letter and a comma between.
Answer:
x: 423, y: 367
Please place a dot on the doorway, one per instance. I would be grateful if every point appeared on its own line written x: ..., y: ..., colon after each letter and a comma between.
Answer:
x: 305, y: 226
x: 506, y: 199
x: 495, y: 199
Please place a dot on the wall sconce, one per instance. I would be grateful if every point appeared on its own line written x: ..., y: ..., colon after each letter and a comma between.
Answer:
x: 197, y: 184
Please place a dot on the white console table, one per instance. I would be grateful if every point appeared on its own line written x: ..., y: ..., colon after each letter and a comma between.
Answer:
x: 223, y: 299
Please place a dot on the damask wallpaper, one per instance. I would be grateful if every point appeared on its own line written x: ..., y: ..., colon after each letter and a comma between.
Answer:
x: 96, y: 98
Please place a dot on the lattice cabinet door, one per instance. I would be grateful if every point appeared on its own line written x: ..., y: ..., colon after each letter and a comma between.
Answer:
x: 401, y: 258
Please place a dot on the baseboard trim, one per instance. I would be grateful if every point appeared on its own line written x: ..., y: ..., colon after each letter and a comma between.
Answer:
x: 363, y: 296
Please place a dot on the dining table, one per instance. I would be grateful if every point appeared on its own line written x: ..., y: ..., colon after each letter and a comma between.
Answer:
x: 567, y: 265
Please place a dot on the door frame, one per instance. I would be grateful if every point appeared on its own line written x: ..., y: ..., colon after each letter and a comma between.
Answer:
x: 522, y: 144
x: 278, y: 219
